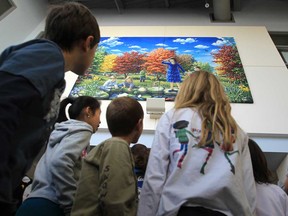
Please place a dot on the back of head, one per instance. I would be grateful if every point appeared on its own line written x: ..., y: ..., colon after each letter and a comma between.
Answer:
x: 204, y: 92
x: 71, y: 108
x: 122, y: 115
x: 140, y: 154
x: 69, y: 23
x: 260, y: 168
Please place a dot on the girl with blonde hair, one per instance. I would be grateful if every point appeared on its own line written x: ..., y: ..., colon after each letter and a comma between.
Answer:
x: 199, y: 162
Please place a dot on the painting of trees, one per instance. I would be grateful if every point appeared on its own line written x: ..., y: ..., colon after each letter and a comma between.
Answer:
x: 231, y: 73
x: 142, y: 57
x: 204, y: 66
x: 128, y: 63
x: 98, y: 59
x: 186, y: 61
x: 153, y: 61
x: 229, y: 63
x: 108, y: 63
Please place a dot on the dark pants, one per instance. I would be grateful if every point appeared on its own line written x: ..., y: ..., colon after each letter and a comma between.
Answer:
x: 198, y: 211
x: 39, y: 207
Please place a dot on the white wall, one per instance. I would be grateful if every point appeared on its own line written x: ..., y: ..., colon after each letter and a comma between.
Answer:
x: 18, y: 24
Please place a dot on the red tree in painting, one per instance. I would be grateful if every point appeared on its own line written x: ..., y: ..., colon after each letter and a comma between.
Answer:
x: 229, y: 63
x: 153, y: 64
x: 128, y: 63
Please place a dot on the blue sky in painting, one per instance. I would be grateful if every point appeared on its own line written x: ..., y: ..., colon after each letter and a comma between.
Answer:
x: 199, y: 47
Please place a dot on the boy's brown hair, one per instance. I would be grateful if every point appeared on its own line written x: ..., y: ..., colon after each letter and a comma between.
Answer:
x: 140, y: 155
x: 69, y: 23
x: 122, y: 115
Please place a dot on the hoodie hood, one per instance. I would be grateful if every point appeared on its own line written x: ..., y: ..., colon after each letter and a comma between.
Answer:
x: 67, y: 128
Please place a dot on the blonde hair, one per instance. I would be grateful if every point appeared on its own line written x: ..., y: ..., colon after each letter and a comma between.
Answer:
x: 129, y: 78
x: 203, y: 91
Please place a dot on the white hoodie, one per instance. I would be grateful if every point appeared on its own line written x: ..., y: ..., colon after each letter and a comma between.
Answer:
x: 219, y: 181
x: 59, y: 168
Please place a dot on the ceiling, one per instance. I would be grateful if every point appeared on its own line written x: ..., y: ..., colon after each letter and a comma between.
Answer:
x: 122, y: 5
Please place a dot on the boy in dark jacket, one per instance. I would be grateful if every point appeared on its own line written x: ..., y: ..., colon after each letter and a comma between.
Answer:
x: 31, y: 83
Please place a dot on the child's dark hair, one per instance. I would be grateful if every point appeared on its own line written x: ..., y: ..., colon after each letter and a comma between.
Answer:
x: 140, y: 154
x: 69, y: 23
x: 122, y: 115
x: 77, y: 105
x: 260, y: 168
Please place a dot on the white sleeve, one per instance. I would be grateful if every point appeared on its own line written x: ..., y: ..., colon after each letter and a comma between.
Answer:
x: 286, y: 205
x: 156, y: 171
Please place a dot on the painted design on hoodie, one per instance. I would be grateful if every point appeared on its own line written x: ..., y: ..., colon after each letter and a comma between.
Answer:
x: 182, y: 134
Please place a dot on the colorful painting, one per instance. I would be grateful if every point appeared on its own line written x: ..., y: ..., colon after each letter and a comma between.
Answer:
x: 154, y: 67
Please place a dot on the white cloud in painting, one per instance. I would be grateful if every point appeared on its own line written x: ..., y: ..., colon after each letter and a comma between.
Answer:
x: 201, y: 47
x: 103, y: 47
x: 161, y: 45
x: 116, y: 50
x: 214, y: 51
x: 184, y: 41
x: 134, y: 47
x: 112, y: 42
x: 138, y: 49
x: 188, y: 51
x: 143, y: 50
x: 219, y: 42
x: 172, y: 48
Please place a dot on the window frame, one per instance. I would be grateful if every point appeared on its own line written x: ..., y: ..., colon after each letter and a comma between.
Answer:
x: 283, y: 49
x: 9, y: 10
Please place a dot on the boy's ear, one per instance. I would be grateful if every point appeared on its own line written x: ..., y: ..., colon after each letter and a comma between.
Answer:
x: 87, y: 45
x: 140, y: 125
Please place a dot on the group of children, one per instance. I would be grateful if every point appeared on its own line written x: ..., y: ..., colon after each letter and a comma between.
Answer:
x: 201, y: 162
x: 189, y: 172
x: 111, y: 84
x: 107, y: 170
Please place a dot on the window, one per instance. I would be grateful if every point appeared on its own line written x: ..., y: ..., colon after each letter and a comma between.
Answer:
x: 6, y: 7
x: 280, y: 40
x: 284, y: 54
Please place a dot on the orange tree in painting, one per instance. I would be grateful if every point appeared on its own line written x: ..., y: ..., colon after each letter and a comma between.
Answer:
x: 153, y: 64
x: 229, y: 63
x: 128, y: 63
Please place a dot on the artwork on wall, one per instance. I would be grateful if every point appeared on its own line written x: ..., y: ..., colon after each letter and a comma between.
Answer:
x: 153, y: 67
